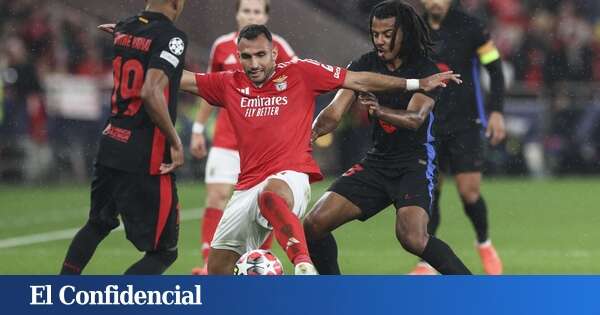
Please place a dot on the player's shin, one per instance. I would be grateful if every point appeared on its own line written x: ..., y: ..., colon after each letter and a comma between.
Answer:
x: 82, y: 248
x: 210, y: 221
x: 441, y: 257
x: 286, y: 226
x: 324, y: 254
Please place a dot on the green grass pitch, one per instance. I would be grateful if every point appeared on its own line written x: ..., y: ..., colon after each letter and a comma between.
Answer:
x: 538, y: 227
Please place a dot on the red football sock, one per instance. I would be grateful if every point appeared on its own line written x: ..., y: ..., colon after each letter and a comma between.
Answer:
x: 210, y: 220
x: 268, y: 242
x: 286, y: 226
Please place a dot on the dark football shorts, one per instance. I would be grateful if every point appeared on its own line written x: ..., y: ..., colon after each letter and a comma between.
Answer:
x: 460, y: 152
x: 148, y: 206
x: 373, y: 189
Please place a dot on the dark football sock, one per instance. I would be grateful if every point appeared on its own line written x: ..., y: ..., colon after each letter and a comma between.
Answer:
x: 441, y: 257
x: 82, y: 249
x: 477, y: 213
x: 153, y: 263
x: 324, y: 254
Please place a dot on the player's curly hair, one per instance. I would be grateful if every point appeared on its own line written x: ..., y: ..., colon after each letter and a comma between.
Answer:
x: 416, y: 39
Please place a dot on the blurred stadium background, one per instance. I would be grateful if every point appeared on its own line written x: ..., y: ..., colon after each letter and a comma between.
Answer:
x: 542, y: 185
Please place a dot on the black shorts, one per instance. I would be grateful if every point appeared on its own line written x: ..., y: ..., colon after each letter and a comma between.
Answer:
x: 460, y: 152
x: 373, y: 189
x: 148, y: 205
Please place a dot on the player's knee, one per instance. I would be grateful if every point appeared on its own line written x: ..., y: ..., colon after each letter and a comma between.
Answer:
x: 469, y: 193
x: 413, y: 242
x: 98, y: 228
x: 217, y: 199
x: 470, y: 196
x: 312, y: 230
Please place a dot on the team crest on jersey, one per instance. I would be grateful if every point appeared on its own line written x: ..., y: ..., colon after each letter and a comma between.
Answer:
x: 176, y: 46
x: 281, y: 83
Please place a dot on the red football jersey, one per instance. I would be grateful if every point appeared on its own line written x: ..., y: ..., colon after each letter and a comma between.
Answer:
x: 272, y: 123
x: 224, y: 57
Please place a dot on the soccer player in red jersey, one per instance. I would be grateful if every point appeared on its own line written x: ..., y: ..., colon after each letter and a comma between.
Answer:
x: 271, y: 107
x: 223, y: 163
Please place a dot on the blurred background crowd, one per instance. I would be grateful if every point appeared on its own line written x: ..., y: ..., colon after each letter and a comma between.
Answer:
x: 56, y: 77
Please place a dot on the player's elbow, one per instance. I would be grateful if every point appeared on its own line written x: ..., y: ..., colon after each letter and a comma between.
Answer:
x: 150, y: 92
x: 415, y: 123
x: 147, y: 93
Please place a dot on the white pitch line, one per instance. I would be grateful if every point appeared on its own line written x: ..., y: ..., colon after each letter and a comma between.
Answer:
x: 65, y: 234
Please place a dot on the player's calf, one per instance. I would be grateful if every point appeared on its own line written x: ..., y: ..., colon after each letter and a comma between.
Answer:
x: 153, y: 263
x: 222, y: 261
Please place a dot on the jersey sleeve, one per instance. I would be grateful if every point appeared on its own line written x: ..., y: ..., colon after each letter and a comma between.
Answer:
x: 480, y: 34
x: 483, y: 44
x: 169, y: 53
x: 285, y: 51
x: 211, y: 87
x: 322, y: 78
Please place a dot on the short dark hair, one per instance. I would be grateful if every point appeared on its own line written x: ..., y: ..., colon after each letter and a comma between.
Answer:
x: 252, y: 31
x: 416, y: 33
x: 267, y: 3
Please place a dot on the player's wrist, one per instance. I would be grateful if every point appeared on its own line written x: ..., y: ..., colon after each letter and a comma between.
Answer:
x: 198, y: 128
x: 412, y: 84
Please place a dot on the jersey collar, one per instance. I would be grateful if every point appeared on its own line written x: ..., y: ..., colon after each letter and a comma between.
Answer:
x: 154, y: 16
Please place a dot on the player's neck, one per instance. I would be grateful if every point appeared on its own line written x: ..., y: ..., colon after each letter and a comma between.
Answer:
x: 394, y: 64
x: 161, y: 10
x: 436, y: 22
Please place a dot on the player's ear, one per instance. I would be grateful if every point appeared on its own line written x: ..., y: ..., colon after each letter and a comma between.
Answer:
x: 275, y: 52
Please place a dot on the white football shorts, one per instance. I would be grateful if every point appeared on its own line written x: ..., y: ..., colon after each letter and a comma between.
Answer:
x: 242, y: 227
x: 222, y: 166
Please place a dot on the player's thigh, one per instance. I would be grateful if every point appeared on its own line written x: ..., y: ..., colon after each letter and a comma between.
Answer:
x: 364, y: 188
x: 238, y: 230
x: 222, y: 166
x: 466, y: 152
x: 217, y: 195
x: 103, y: 212
x: 149, y: 208
x: 329, y: 212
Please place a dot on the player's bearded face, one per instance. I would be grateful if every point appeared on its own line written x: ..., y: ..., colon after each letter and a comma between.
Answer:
x: 251, y: 12
x: 437, y: 8
x: 257, y: 57
x: 383, y: 33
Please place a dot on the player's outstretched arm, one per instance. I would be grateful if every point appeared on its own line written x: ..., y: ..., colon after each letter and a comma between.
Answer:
x: 156, y: 107
x: 374, y: 82
x: 416, y: 113
x: 188, y: 82
x: 329, y: 118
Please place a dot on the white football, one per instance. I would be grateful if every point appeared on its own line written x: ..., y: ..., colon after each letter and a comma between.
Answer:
x: 258, y: 262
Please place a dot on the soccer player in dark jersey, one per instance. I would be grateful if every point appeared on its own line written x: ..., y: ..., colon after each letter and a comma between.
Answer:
x: 270, y: 106
x: 399, y: 169
x: 463, y: 44
x: 139, y: 147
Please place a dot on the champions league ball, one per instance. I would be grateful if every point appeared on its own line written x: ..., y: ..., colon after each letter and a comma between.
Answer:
x: 258, y: 263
